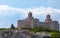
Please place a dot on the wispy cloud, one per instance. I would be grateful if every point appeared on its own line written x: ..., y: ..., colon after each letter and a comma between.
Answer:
x: 8, y: 11
x: 5, y: 9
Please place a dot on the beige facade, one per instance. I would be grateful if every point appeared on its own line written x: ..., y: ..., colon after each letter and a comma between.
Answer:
x: 31, y: 22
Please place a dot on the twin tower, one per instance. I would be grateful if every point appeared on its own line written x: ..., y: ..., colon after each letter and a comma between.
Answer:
x: 31, y: 22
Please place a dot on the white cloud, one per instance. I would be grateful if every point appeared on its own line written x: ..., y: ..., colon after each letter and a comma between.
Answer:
x: 1, y: 24
x: 41, y: 10
x: 6, y: 10
x: 59, y: 21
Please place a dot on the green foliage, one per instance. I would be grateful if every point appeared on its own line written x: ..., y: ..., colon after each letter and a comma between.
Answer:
x: 2, y: 29
x: 12, y: 26
x: 55, y: 35
x: 39, y: 29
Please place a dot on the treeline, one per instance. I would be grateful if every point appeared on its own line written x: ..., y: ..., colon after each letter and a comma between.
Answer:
x: 40, y: 29
x: 54, y: 33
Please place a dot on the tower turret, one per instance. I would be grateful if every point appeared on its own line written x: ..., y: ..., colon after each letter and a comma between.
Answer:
x: 48, y: 18
x: 30, y: 20
x: 30, y: 14
x: 30, y: 17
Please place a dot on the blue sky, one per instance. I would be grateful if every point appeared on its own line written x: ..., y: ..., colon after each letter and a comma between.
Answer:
x: 31, y: 3
x: 13, y: 10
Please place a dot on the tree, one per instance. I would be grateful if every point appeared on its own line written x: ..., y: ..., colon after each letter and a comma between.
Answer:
x: 12, y: 26
x: 55, y: 35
